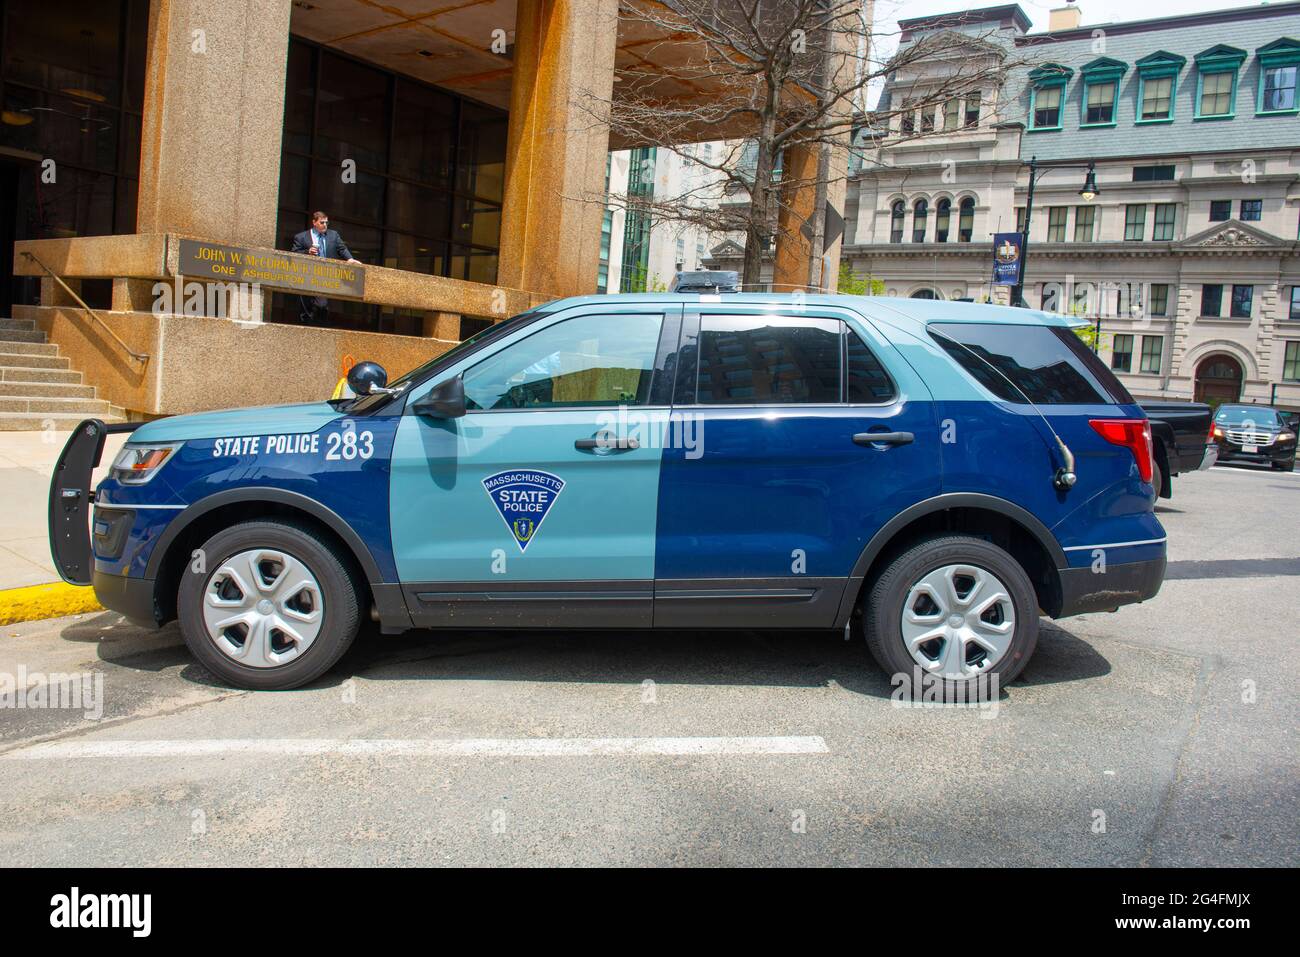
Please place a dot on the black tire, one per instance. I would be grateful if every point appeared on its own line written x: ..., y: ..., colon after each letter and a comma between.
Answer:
x: 1157, y: 477
x: 341, y: 611
x: 882, y: 614
x: 1287, y: 466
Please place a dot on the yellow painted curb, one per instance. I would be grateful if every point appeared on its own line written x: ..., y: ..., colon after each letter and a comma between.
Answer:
x: 46, y: 601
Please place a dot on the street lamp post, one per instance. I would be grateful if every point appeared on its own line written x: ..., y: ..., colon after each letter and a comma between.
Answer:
x: 1088, y: 192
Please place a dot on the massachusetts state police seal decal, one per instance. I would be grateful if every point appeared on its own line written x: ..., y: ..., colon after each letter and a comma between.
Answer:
x: 523, y: 497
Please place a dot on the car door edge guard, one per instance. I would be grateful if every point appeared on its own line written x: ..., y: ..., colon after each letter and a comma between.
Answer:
x: 942, y: 503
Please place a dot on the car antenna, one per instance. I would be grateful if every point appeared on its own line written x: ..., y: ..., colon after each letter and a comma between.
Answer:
x: 1065, y: 476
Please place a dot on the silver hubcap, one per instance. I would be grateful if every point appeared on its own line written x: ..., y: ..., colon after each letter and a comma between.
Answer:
x: 263, y: 608
x: 958, y: 621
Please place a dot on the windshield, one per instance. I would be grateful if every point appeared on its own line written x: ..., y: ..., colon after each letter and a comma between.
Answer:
x: 1240, y: 414
x: 401, y: 382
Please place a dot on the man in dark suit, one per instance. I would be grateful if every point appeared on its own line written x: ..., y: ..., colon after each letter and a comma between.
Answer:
x: 320, y: 240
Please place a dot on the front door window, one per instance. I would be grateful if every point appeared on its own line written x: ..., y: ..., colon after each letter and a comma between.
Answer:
x: 577, y: 363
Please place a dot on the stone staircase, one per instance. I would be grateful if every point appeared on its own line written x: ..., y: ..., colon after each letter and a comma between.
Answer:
x: 38, y: 390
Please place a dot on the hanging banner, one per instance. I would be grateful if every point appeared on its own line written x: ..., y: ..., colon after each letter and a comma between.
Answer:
x: 1007, y: 252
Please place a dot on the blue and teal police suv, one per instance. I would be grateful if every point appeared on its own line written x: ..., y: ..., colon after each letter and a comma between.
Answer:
x: 930, y: 476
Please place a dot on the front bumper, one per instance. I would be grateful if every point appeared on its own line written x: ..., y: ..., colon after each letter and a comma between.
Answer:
x: 1264, y: 454
x: 1084, y: 590
x: 132, y: 597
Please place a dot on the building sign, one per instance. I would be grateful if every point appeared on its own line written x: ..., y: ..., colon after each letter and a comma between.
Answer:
x: 1007, y: 250
x: 269, y: 267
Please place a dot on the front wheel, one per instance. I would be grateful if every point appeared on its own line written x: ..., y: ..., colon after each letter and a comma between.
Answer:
x: 954, y: 609
x: 269, y: 606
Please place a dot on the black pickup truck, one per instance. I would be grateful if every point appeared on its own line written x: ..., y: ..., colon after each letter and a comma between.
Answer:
x: 1181, y: 440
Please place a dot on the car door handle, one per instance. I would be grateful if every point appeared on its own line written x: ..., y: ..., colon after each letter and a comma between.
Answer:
x: 607, y: 440
x: 883, y: 438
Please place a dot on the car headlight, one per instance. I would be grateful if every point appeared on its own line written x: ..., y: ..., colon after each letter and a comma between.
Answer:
x: 1284, y: 437
x: 137, y: 464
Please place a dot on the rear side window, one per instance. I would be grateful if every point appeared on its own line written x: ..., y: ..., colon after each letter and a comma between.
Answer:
x: 1046, y: 363
x: 765, y: 360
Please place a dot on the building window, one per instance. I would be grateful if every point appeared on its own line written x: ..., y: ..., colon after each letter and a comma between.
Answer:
x: 972, y: 111
x: 1056, y: 217
x: 1084, y: 217
x: 1100, y: 91
x: 1099, y: 104
x: 1047, y: 107
x: 430, y: 173
x: 634, y: 264
x: 681, y: 252
x: 1220, y: 210
x: 1020, y: 219
x: 699, y: 252
x: 1159, y: 299
x: 1251, y: 210
x: 1158, y: 86
x: 1279, y: 63
x: 1211, y: 300
x: 1157, y: 97
x: 1121, y: 354
x: 942, y: 220
x: 1152, y: 174
x: 1135, y: 221
x: 1294, y: 313
x: 1216, y: 93
x: 951, y: 114
x: 896, y: 216
x: 927, y: 119
x: 920, y: 212
x: 1243, y: 297
x: 1163, y: 227
x: 966, y: 221
x: 1291, y: 364
x: 907, y: 121
x: 1152, y: 346
x: 1216, y: 87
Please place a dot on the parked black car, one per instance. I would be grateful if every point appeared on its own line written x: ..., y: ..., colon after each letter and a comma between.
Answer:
x: 1256, y: 433
x: 1180, y: 441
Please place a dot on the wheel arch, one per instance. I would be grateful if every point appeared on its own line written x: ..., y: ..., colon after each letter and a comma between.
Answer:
x: 209, y: 515
x: 1008, y: 525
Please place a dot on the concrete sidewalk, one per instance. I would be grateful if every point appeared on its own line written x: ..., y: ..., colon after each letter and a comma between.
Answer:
x: 26, y: 463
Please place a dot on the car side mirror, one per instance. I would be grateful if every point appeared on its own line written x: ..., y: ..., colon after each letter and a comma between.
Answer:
x: 367, y: 377
x: 446, y: 400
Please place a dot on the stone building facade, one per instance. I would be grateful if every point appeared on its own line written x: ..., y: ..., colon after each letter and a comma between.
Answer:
x: 1187, y: 259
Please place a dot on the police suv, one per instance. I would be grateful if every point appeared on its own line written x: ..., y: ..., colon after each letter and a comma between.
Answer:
x: 930, y: 476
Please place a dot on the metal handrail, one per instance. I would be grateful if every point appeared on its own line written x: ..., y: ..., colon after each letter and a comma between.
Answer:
x: 138, y: 356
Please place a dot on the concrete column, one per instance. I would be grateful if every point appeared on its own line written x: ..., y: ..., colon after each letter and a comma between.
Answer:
x: 442, y: 325
x: 213, y: 112
x: 794, y: 248
x: 558, y: 143
x: 133, y: 295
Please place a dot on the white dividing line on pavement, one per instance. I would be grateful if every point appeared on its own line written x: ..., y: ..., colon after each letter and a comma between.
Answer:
x: 418, y: 747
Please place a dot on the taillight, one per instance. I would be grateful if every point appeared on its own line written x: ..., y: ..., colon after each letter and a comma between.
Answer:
x: 1134, y: 435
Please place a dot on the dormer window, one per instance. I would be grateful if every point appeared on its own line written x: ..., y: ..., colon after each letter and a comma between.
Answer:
x: 1047, y: 96
x: 1279, y: 66
x: 1101, y: 79
x: 1216, y: 82
x: 1158, y: 86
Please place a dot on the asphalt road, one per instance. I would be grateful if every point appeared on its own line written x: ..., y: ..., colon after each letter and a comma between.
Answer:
x: 1164, y: 734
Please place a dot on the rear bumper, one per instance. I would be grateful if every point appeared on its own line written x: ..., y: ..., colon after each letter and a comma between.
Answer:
x: 132, y: 597
x: 1084, y: 590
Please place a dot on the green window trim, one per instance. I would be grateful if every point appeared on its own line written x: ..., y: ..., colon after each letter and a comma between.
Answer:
x: 1099, y: 71
x: 1157, y: 66
x: 1283, y: 52
x: 1046, y: 77
x: 1218, y: 60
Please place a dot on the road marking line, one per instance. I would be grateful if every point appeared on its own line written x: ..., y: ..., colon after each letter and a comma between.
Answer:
x: 419, y: 747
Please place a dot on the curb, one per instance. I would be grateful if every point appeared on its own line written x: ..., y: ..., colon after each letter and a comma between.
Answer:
x: 46, y: 601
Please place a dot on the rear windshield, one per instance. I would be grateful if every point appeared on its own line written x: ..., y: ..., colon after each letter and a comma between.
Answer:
x: 1046, y: 365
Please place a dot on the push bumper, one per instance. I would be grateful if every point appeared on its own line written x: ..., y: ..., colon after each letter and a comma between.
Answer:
x: 1084, y: 590
x: 131, y: 597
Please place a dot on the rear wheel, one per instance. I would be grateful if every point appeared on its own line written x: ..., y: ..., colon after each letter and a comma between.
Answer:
x: 1157, y: 477
x: 271, y: 606
x: 954, y: 609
